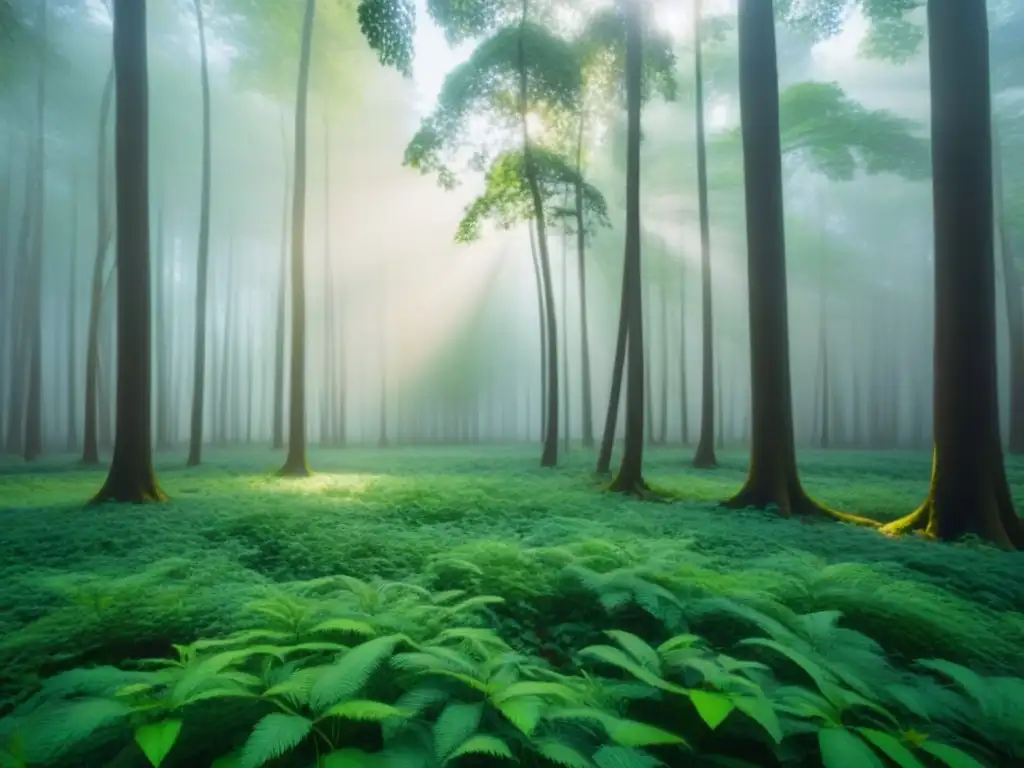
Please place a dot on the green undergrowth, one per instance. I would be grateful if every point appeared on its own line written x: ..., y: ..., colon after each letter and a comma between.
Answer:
x: 102, y: 585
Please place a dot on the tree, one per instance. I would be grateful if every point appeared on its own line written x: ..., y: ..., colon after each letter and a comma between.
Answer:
x: 195, y: 441
x: 772, y: 479
x: 295, y: 462
x: 131, y: 477
x: 969, y: 493
x: 504, y: 83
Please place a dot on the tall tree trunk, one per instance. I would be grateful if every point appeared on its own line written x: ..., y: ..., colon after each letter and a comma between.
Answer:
x: 772, y: 478
x: 131, y: 476
x: 1012, y: 285
x: 721, y: 404
x: 704, y: 458
x: 72, y: 390
x: 224, y: 384
x: 825, y: 436
x: 539, y: 281
x: 195, y: 443
x: 969, y: 493
x: 90, y: 436
x: 160, y: 313
x: 630, y: 477
x: 328, y: 422
x: 684, y: 400
x: 549, y: 455
x: 277, y: 428
x: 6, y: 279
x: 586, y: 394
x: 604, y: 456
x: 21, y: 331
x: 565, y: 330
x: 34, y: 322
x: 295, y: 462
x: 663, y: 368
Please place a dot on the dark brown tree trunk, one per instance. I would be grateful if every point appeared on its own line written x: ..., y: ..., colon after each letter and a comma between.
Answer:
x: 131, y: 477
x: 649, y: 433
x: 72, y: 391
x: 630, y: 478
x: 90, y: 431
x: 195, y: 444
x: 277, y: 428
x: 34, y: 322
x: 969, y: 493
x: 581, y: 237
x: 549, y: 454
x: 295, y: 463
x: 772, y: 478
x: 704, y: 458
x: 604, y: 456
x: 1012, y: 286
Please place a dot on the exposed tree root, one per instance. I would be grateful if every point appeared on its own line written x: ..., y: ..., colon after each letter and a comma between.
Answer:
x: 125, y: 491
x: 998, y: 526
x: 795, y: 502
x: 635, y: 487
x: 705, y: 460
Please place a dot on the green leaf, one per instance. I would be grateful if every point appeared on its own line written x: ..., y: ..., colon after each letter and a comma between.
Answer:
x: 157, y: 739
x: 713, y: 708
x: 760, y: 710
x: 535, y: 688
x: 632, y: 733
x: 456, y: 723
x: 678, y: 642
x: 951, y: 756
x: 273, y: 736
x: 352, y: 626
x: 364, y: 710
x: 811, y: 667
x: 524, y: 712
x: 891, y: 747
x: 560, y: 753
x: 842, y: 749
x: 610, y: 756
x: 482, y: 744
x: 636, y: 647
x: 348, y: 758
x: 616, y: 658
x: 349, y: 674
x: 230, y: 760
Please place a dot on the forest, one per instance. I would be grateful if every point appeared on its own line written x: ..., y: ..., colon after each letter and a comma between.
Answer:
x: 561, y: 383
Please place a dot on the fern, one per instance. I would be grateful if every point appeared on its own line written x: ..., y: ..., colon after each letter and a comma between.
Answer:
x: 456, y: 723
x: 272, y: 737
x: 352, y: 671
x: 481, y: 744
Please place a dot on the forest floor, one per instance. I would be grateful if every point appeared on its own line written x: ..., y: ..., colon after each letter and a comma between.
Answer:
x: 115, y: 582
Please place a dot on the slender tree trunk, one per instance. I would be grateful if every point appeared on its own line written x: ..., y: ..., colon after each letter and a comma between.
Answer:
x: 549, y: 455
x: 630, y: 477
x: 131, y: 476
x: 195, y: 445
x: 277, y: 429
x: 565, y: 330
x: 6, y: 279
x: 604, y: 456
x: 586, y: 394
x: 649, y: 432
x: 826, y: 383
x: 704, y: 458
x: 34, y: 323
x: 224, y: 385
x: 684, y: 400
x: 72, y: 391
x: 663, y: 369
x: 772, y: 478
x: 295, y: 462
x: 160, y: 313
x: 969, y: 493
x: 90, y: 437
x: 721, y: 404
x: 22, y: 331
x: 539, y: 280
x: 328, y: 422
x: 1012, y: 286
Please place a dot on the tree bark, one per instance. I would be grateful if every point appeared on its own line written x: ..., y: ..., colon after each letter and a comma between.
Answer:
x: 704, y: 457
x: 772, y: 479
x: 328, y: 422
x: 277, y: 427
x: 630, y: 478
x: 72, y: 391
x: 539, y: 281
x: 295, y: 463
x: 160, y: 313
x: 131, y: 477
x: 565, y: 332
x: 195, y: 445
x: 604, y: 456
x: 90, y: 431
x: 586, y: 394
x: 969, y: 493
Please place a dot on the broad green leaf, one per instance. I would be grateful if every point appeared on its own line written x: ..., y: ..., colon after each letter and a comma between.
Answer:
x: 760, y: 710
x: 562, y: 754
x: 157, y: 739
x: 950, y: 756
x: 616, y: 658
x: 891, y: 747
x: 678, y: 642
x: 482, y: 744
x: 632, y: 733
x: 842, y: 749
x: 348, y: 675
x: 535, y: 688
x: 811, y: 667
x: 273, y: 736
x: 610, y: 756
x: 636, y: 647
x: 364, y: 710
x: 456, y: 723
x: 523, y: 712
x: 713, y: 708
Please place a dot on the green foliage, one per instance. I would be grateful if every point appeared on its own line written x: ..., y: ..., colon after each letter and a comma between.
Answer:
x: 486, y: 86
x: 389, y: 27
x: 837, y: 135
x: 890, y: 36
x: 464, y: 20
x: 507, y: 202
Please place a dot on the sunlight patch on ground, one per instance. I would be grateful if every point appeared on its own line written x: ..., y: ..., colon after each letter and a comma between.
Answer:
x: 321, y: 483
